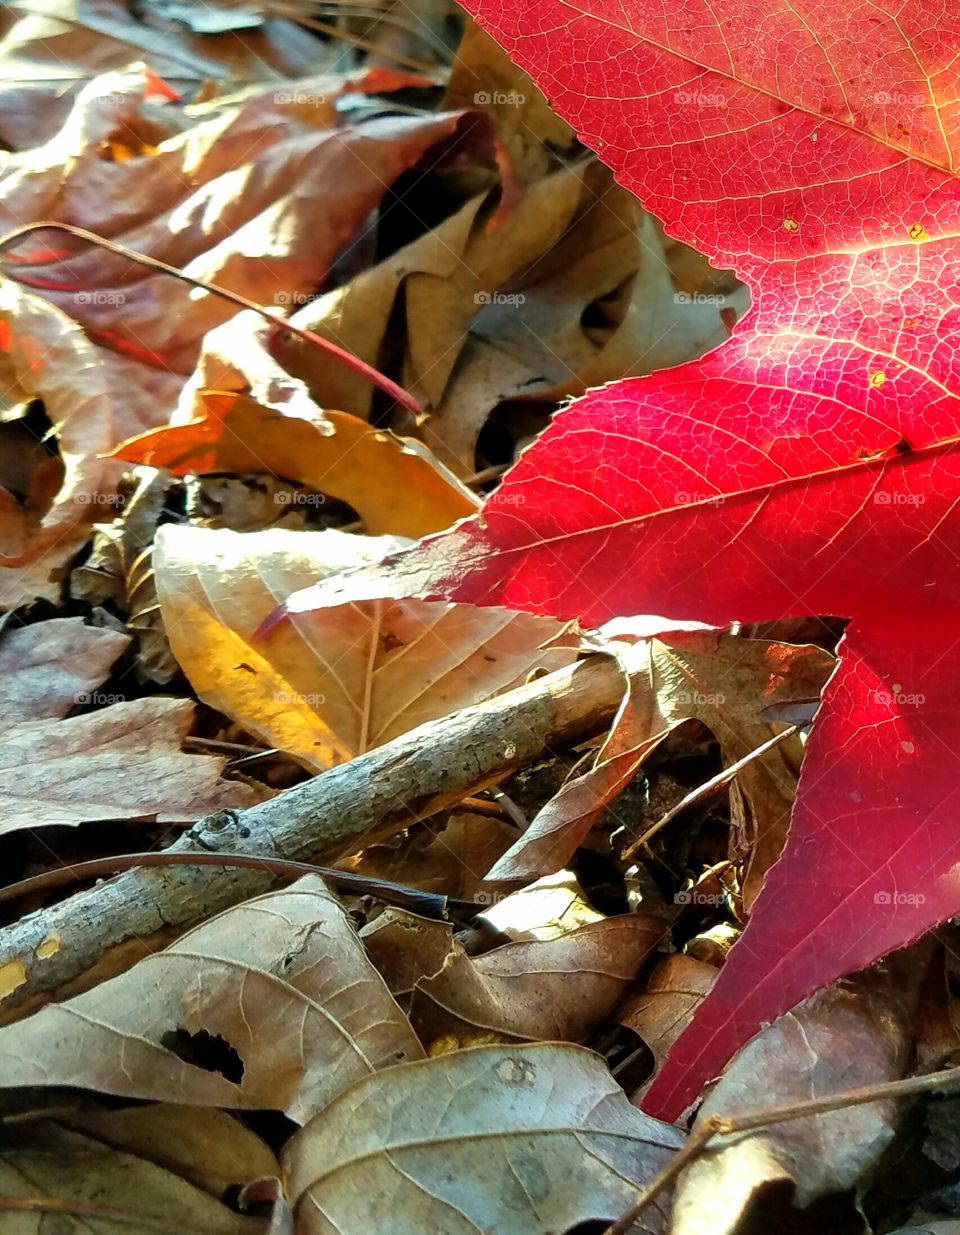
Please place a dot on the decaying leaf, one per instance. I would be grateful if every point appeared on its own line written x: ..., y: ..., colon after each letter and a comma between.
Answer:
x: 50, y: 667
x: 327, y: 690
x: 269, y: 1005
x: 859, y: 1032
x: 520, y: 1140
x: 545, y: 990
x: 55, y: 1172
x: 120, y: 762
x: 723, y: 681
x: 394, y: 484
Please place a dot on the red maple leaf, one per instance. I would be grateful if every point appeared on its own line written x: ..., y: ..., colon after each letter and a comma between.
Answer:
x: 809, y: 465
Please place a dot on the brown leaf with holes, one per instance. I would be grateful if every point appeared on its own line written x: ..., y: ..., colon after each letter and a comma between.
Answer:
x: 271, y: 1005
x: 332, y: 686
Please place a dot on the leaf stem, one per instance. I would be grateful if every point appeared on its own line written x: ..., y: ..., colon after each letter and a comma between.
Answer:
x: 341, y: 355
x: 426, y: 904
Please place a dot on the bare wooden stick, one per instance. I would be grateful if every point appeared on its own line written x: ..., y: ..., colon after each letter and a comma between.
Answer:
x: 65, y: 948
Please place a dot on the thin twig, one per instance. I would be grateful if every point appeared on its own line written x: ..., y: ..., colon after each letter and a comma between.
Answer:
x: 426, y: 904
x: 726, y: 1125
x: 341, y: 355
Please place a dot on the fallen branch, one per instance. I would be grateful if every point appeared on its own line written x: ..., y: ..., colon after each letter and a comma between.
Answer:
x: 59, y: 950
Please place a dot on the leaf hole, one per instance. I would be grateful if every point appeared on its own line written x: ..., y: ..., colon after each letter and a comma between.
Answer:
x: 205, y: 1050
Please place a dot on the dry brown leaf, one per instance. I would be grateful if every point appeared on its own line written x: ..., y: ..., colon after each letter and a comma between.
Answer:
x: 49, y: 52
x: 484, y: 76
x: 405, y: 948
x: 275, y: 995
x: 723, y: 681
x: 661, y: 1012
x: 521, y: 1140
x: 547, y: 990
x: 451, y: 863
x: 328, y: 686
x: 859, y: 1032
x: 121, y: 762
x: 394, y: 484
x: 211, y: 1149
x: 261, y: 198
x: 50, y: 667
x: 107, y: 1189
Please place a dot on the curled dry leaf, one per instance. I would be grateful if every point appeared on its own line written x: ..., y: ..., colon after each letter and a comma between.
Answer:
x: 55, y: 1171
x: 520, y: 1140
x: 275, y: 999
x: 260, y: 198
x: 326, y: 690
x: 48, y: 668
x: 859, y: 1032
x: 394, y: 484
x: 661, y: 1012
x: 719, y: 679
x: 494, y: 313
x: 558, y: 989
x: 405, y: 948
x: 121, y: 762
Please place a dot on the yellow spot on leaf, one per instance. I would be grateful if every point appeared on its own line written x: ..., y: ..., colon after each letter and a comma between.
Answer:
x: 49, y: 947
x: 877, y: 378
x: 907, y: 747
x: 917, y: 231
x: 12, y: 975
x: 791, y: 225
